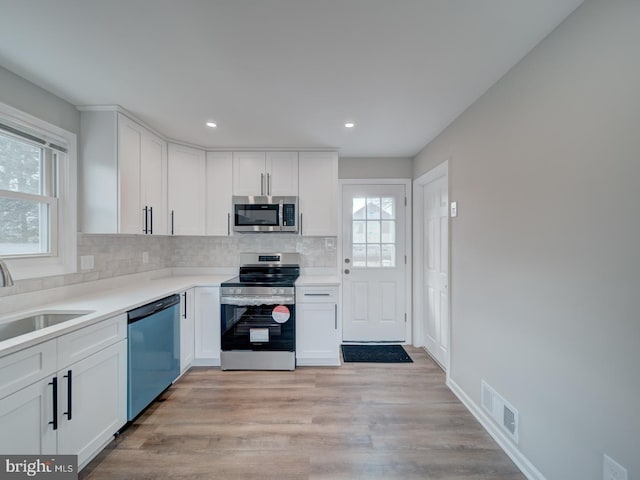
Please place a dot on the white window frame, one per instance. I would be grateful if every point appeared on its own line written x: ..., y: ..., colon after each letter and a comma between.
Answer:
x: 63, y: 219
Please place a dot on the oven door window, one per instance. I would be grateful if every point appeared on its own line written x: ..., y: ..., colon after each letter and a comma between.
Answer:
x: 257, y: 327
x: 247, y: 215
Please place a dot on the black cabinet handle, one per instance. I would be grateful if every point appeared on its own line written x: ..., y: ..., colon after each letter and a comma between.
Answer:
x: 184, y: 315
x: 54, y: 422
x: 172, y: 222
x: 151, y: 222
x: 69, y: 392
x: 145, y: 230
x: 336, y: 316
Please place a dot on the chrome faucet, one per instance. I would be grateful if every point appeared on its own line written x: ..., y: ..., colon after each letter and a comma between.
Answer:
x: 5, y: 275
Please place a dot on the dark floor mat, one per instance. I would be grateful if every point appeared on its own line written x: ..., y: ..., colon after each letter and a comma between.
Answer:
x: 375, y: 354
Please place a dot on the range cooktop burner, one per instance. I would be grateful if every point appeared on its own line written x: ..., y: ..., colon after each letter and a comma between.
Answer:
x: 266, y: 270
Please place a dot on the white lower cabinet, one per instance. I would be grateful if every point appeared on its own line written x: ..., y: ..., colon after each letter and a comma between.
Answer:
x: 207, y: 326
x: 24, y: 421
x: 317, y: 339
x: 92, y: 402
x: 187, y: 329
x: 74, y: 407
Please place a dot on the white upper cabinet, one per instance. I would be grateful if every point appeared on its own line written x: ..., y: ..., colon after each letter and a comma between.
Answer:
x: 129, y: 159
x: 122, y: 175
x: 318, y: 203
x: 282, y: 173
x: 186, y: 180
x: 153, y: 184
x: 219, y: 193
x: 270, y: 173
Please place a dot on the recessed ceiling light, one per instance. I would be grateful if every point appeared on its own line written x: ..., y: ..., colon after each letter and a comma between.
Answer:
x: 349, y: 124
x: 211, y: 125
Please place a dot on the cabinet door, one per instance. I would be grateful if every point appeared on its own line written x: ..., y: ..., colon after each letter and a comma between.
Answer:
x: 282, y: 173
x: 317, y: 334
x: 98, y: 402
x: 249, y: 176
x: 129, y: 151
x: 186, y: 191
x: 24, y: 421
x: 219, y: 192
x: 318, y: 193
x: 153, y: 184
x: 207, y: 308
x: 187, y: 329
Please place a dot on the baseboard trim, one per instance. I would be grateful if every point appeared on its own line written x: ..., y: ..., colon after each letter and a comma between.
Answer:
x: 522, y: 462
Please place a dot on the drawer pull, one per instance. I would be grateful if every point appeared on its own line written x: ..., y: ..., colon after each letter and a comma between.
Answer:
x: 317, y: 294
x: 69, y: 394
x: 54, y: 383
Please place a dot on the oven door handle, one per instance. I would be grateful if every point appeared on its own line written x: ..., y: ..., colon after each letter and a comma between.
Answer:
x: 256, y: 301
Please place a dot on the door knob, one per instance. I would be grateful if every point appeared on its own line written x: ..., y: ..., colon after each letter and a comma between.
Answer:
x: 346, y: 260
x: 347, y: 271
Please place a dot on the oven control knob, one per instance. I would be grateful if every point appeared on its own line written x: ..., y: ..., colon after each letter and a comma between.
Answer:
x: 281, y: 290
x: 274, y: 290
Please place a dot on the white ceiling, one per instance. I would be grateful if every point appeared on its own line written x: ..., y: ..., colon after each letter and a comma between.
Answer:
x: 277, y: 73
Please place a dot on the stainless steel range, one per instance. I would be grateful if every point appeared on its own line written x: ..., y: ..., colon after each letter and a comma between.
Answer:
x: 258, y: 313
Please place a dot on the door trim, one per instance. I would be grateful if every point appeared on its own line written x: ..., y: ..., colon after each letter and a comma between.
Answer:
x: 441, y: 170
x: 408, y: 240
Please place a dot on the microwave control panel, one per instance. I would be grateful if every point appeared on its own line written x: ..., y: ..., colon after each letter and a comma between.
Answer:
x: 289, y: 214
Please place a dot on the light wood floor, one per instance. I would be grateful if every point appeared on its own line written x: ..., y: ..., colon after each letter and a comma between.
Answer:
x: 358, y: 421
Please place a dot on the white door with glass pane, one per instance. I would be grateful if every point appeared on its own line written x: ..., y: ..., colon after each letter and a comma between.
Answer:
x: 373, y: 263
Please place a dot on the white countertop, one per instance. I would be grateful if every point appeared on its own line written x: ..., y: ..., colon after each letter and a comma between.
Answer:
x: 104, y: 304
x: 107, y: 303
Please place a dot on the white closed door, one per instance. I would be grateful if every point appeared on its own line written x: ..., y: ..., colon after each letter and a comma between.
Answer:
x: 435, y: 269
x: 373, y: 263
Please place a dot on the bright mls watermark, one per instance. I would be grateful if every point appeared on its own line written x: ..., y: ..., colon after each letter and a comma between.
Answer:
x: 53, y: 467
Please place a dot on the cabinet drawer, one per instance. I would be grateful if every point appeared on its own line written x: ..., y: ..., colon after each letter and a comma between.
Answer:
x: 82, y: 343
x: 316, y: 295
x: 26, y: 367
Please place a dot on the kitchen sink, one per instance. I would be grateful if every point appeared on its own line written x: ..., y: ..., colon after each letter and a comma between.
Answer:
x: 36, y: 321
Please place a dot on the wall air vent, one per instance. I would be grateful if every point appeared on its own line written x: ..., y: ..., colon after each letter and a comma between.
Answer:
x: 500, y: 411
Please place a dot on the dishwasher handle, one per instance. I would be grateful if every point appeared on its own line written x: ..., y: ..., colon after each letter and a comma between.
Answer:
x: 151, y: 308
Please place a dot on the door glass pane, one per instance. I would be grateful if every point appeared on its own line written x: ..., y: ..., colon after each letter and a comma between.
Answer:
x: 388, y: 208
x: 24, y: 226
x: 373, y: 255
x: 359, y: 231
x: 388, y: 231
x: 388, y: 255
x: 373, y: 208
x: 359, y: 256
x: 359, y: 211
x: 373, y: 231
x: 20, y: 166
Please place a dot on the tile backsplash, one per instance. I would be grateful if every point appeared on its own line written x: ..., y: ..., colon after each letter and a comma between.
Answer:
x: 224, y: 251
x: 116, y: 255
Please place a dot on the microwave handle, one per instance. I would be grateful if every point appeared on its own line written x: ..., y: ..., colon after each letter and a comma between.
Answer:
x: 281, y: 215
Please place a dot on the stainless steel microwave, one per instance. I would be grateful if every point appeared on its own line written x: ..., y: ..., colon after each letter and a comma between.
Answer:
x: 265, y: 214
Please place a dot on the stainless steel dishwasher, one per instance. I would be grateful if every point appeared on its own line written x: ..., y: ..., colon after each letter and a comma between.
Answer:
x: 153, y: 352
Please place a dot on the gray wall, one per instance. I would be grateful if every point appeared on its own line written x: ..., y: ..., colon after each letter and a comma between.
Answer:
x: 375, y: 167
x: 31, y: 99
x: 545, y: 252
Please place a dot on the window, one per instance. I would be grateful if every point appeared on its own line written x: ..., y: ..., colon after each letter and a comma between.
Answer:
x: 374, y: 230
x: 28, y: 200
x: 37, y: 196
